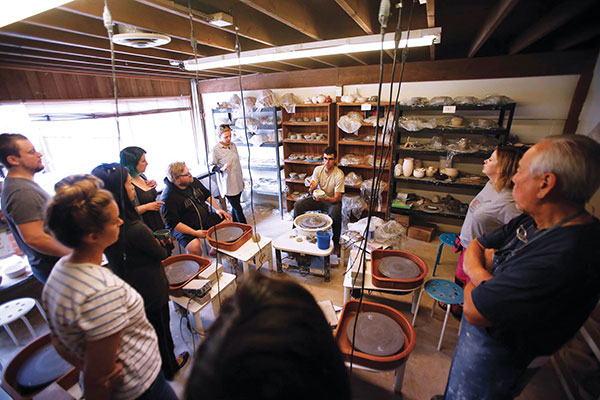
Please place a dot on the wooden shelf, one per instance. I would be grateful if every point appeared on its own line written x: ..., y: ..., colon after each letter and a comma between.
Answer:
x: 411, y: 211
x: 418, y: 152
x: 436, y: 182
x: 364, y: 166
x: 288, y: 123
x: 305, y: 141
x: 361, y: 143
x: 459, y: 107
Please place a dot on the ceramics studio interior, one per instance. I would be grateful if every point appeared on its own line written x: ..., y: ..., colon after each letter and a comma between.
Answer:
x: 252, y: 199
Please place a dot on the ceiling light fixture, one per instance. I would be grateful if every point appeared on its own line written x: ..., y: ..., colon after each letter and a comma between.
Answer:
x: 18, y: 10
x: 418, y: 38
x: 220, y: 19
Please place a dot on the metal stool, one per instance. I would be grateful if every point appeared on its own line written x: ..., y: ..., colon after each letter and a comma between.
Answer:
x: 17, y: 309
x: 445, y: 238
x: 442, y: 291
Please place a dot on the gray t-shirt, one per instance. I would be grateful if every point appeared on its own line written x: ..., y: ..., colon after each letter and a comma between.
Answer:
x: 24, y: 201
x: 332, y: 182
x: 488, y: 211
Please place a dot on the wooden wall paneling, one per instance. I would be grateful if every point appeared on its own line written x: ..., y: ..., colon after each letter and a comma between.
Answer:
x: 33, y: 81
x: 523, y: 65
x: 581, y: 91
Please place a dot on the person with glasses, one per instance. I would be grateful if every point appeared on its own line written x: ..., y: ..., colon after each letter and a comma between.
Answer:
x: 493, y: 207
x: 137, y: 259
x: 329, y: 178
x: 24, y: 202
x: 186, y: 208
x: 226, y: 160
x: 534, y: 281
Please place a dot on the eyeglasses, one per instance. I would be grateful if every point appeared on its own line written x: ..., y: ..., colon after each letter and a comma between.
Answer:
x: 189, y: 175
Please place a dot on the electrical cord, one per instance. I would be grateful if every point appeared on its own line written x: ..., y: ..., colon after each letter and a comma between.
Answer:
x: 377, y: 175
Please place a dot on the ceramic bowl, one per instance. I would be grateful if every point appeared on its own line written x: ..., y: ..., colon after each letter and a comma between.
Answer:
x: 318, y: 193
x: 321, y: 137
x: 293, y: 175
x: 318, y: 119
x: 307, y: 137
x: 362, y: 100
x: 451, y: 172
x: 430, y: 171
x: 301, y: 176
x: 306, y: 119
x: 419, y: 172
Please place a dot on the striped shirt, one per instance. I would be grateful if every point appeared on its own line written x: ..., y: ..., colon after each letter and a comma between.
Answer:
x: 86, y: 302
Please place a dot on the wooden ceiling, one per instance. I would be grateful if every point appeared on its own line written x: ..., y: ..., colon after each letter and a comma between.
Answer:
x: 73, y: 37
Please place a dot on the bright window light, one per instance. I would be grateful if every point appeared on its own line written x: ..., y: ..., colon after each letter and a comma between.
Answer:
x: 18, y: 10
x: 419, y: 37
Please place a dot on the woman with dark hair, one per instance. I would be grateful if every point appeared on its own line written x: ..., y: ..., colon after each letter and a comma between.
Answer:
x: 136, y: 258
x: 270, y: 341
x: 134, y: 159
x: 494, y: 206
x: 96, y: 319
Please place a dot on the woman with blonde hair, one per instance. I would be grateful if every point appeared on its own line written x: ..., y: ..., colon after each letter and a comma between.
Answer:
x: 494, y: 206
x: 96, y: 319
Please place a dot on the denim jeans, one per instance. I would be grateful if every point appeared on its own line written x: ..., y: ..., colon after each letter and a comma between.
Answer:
x: 482, y: 367
x: 159, y: 390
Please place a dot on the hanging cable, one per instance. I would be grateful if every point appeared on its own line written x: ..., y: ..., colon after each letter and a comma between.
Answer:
x: 238, y: 52
x: 378, y: 172
x: 194, y: 45
x: 108, y: 24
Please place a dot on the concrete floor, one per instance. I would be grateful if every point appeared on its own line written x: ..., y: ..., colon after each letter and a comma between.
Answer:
x: 426, y: 370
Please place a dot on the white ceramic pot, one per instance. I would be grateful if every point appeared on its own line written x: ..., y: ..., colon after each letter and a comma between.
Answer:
x: 398, y: 169
x: 419, y: 172
x: 321, y: 99
x: 431, y: 171
x: 347, y: 98
x: 408, y: 166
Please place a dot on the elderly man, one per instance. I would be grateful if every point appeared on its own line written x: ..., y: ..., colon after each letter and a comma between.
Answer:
x: 329, y: 178
x: 185, y: 208
x: 534, y: 281
x: 24, y: 202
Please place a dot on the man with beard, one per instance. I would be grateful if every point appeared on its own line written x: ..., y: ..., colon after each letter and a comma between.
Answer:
x: 24, y: 202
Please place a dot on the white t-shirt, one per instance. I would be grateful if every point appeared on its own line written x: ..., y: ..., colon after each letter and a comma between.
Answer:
x: 87, y: 302
x: 488, y: 211
x: 332, y: 182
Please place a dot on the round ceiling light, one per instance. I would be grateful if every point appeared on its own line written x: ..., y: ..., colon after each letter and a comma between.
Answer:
x: 141, y: 40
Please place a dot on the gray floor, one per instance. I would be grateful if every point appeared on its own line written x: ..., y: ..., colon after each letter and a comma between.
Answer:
x: 427, y: 368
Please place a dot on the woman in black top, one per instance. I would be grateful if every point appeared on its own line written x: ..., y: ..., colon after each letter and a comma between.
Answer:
x: 137, y: 259
x: 134, y: 159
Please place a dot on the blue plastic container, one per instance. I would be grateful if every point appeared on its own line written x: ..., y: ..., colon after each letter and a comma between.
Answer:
x: 323, y: 240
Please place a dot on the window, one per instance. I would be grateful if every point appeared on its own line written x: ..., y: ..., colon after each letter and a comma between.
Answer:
x: 76, y: 136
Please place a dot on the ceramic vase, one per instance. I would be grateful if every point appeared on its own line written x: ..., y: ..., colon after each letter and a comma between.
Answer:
x: 408, y: 166
x: 398, y: 170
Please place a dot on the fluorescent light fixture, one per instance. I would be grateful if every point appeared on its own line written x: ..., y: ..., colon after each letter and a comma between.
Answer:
x: 18, y: 10
x: 418, y: 37
x: 220, y: 19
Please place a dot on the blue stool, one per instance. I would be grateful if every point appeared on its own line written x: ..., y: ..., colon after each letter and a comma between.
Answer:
x: 445, y: 238
x: 442, y: 291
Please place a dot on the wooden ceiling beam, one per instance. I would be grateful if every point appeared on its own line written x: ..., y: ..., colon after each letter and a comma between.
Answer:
x: 63, y: 67
x: 27, y: 31
x: 29, y: 44
x: 79, y: 60
x: 252, y: 24
x: 555, y: 18
x: 583, y: 34
x: 493, y: 20
x: 136, y: 14
x: 291, y: 13
x: 361, y: 12
x: 431, y: 24
x: 79, y: 24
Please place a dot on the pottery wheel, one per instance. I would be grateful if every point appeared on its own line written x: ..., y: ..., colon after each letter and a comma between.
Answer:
x: 376, y: 334
x: 398, y: 268
x: 181, y: 271
x: 35, y: 371
x: 312, y: 222
x: 228, y: 233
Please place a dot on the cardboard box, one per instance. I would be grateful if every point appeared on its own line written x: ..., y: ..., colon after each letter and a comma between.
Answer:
x: 403, y: 220
x: 424, y: 232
